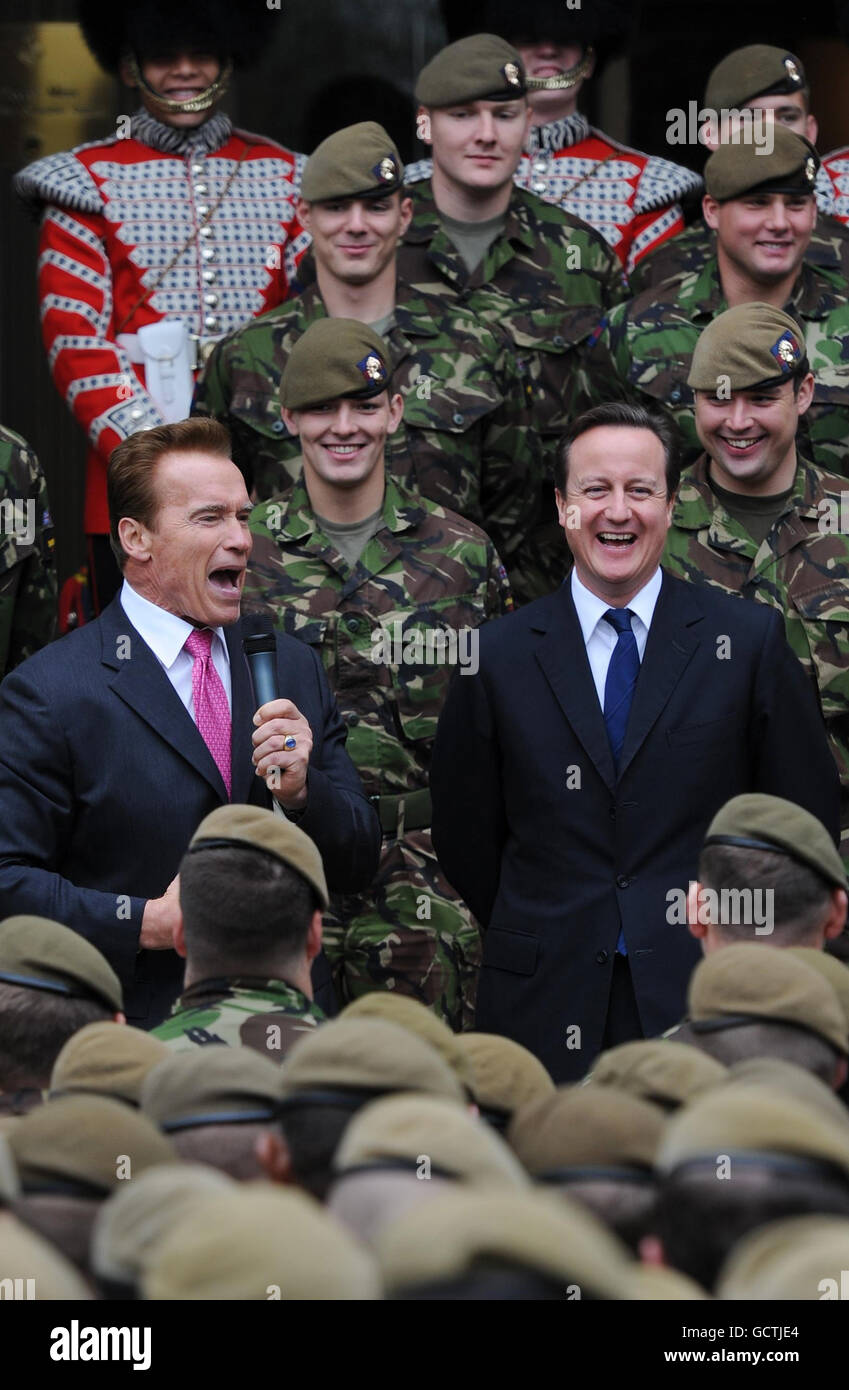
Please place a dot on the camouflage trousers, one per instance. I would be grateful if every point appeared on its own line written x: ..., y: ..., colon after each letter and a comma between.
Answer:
x: 409, y: 933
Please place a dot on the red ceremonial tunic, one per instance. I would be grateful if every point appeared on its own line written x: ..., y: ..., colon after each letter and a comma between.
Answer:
x: 193, y: 225
x: 835, y: 168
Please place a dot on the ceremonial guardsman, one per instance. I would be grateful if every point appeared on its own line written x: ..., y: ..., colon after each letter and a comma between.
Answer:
x: 162, y: 237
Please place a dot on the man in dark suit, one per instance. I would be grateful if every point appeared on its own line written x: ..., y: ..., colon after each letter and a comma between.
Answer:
x: 118, y: 740
x: 575, y: 774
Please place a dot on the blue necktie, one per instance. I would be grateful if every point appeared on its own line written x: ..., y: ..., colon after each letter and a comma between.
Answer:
x: 619, y: 693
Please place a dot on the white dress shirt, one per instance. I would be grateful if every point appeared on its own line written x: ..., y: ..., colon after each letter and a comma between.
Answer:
x: 600, y: 637
x: 166, y: 635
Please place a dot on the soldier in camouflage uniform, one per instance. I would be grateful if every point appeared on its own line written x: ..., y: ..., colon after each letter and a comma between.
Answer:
x: 510, y: 257
x: 465, y: 440
x: 760, y: 78
x: 755, y: 517
x: 27, y: 574
x: 389, y: 588
x: 763, y: 209
x: 256, y: 995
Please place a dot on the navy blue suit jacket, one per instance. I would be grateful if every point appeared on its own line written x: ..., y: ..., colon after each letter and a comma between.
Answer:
x: 104, y: 778
x: 553, y: 852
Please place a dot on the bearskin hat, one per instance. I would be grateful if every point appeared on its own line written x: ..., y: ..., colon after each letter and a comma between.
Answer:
x: 236, y: 29
x: 603, y: 23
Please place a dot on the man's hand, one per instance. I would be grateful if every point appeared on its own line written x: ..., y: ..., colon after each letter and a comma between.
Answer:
x: 284, y: 769
x: 160, y: 918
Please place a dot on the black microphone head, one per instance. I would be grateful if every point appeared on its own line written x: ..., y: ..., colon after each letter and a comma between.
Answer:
x: 257, y: 634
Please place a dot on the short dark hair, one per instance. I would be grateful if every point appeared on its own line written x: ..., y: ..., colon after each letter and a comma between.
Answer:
x: 622, y: 414
x: 130, y: 486
x: 242, y: 911
x: 226, y: 1146
x: 312, y: 1133
x: 700, y: 1220
x: 34, y: 1027
x: 800, y: 896
x: 626, y: 1208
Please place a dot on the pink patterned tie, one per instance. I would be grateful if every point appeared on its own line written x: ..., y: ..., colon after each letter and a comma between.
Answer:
x: 212, y: 712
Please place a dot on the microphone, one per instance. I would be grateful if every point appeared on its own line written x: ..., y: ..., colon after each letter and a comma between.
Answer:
x: 261, y: 651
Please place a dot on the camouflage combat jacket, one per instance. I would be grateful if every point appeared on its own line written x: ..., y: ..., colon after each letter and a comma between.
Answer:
x: 466, y: 440
x: 547, y: 279
x: 645, y: 350
x: 802, y: 569
x: 686, y: 253
x: 427, y: 571
x: 267, y: 1015
x: 27, y: 574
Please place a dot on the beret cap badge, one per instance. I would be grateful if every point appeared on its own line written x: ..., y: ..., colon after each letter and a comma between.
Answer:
x: 792, y: 71
x: 810, y: 169
x: 386, y: 169
x: 512, y: 74
x: 372, y: 368
x: 787, y: 351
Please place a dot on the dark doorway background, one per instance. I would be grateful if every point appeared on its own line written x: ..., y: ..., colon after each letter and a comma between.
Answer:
x: 337, y: 61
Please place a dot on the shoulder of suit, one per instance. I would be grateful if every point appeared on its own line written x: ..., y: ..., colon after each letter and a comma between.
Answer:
x: 722, y: 607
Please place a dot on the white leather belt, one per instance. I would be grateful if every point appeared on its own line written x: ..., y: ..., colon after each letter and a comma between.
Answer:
x: 170, y: 355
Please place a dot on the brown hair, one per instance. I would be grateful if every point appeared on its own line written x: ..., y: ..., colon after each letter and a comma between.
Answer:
x: 130, y: 485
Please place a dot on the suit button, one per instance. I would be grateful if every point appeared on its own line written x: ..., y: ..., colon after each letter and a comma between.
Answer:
x: 602, y: 957
x: 623, y: 881
x: 675, y: 394
x: 612, y: 813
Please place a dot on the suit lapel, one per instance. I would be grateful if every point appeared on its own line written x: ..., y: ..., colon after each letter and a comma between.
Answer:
x: 142, y: 684
x: 241, y: 747
x: 565, y: 664
x: 669, y: 649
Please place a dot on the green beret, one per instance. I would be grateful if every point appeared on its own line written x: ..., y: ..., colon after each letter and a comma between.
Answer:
x: 24, y: 1253
x: 360, y: 161
x: 481, y: 67
x: 88, y: 1144
x: 749, y: 345
x: 335, y: 357
x: 352, y: 1057
x: 416, y: 1018
x: 139, y: 1214
x: 758, y: 70
x: 755, y: 984
x: 404, y: 1129
x: 585, y: 1130
x: 830, y: 968
x: 256, y: 1242
x: 107, y: 1059
x: 668, y: 1074
x: 735, y: 170
x: 39, y: 954
x: 787, y: 1260
x: 760, y: 822
x: 211, y: 1086
x: 506, y: 1075
x: 450, y: 1236
x: 271, y: 834
x: 762, y: 1120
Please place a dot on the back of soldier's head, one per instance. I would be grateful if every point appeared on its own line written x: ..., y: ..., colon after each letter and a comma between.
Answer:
x: 52, y: 983
x: 777, y: 1040
x: 739, y: 1157
x: 214, y: 1103
x: 330, y: 1075
x: 250, y: 883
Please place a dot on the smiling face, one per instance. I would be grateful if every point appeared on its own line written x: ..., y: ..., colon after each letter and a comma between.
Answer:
x: 545, y: 58
x: 354, y: 239
x: 192, y: 560
x: 180, y: 77
x: 764, y: 236
x: 751, y: 437
x: 614, y: 511
x: 342, y: 440
x: 477, y: 145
